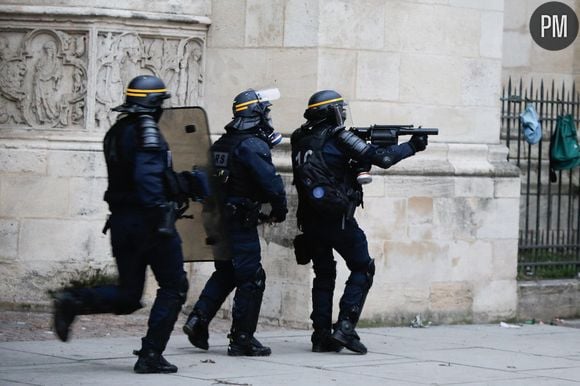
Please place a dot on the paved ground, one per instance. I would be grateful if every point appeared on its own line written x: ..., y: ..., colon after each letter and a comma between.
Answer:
x: 443, y: 355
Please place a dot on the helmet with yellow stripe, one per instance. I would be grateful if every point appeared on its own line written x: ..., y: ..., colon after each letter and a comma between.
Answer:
x: 321, y: 106
x: 144, y: 94
x: 251, y: 108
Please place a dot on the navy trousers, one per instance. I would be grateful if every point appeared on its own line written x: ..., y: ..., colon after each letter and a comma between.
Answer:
x: 238, y: 273
x: 350, y: 242
x: 136, y: 245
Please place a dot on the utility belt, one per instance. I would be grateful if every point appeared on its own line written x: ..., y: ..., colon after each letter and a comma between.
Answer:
x: 163, y: 215
x: 246, y: 213
x: 121, y: 199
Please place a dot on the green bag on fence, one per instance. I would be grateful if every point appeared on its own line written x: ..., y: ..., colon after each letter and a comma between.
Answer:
x: 564, y: 148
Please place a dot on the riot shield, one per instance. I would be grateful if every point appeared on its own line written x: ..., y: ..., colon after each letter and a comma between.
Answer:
x: 186, y: 129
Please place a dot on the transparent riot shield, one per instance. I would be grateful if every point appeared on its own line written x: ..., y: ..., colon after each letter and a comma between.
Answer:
x: 186, y: 129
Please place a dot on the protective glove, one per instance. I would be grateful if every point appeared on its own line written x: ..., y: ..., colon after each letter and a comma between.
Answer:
x: 418, y: 142
x: 195, y: 183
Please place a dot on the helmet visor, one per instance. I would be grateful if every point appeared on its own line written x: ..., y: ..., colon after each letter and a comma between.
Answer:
x: 268, y: 94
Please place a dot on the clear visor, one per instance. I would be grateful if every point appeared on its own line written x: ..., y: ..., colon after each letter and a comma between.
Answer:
x: 348, y: 122
x: 268, y: 94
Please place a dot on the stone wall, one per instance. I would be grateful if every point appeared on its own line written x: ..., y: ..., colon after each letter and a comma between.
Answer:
x: 442, y: 225
x: 61, y: 71
x: 546, y: 300
x: 523, y: 58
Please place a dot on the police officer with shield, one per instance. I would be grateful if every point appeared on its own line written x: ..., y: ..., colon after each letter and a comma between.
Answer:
x: 142, y: 225
x: 326, y: 161
x: 243, y: 164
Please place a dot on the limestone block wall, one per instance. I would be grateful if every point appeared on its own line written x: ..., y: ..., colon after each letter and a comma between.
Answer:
x: 523, y: 58
x: 431, y: 63
x: 442, y: 226
x: 61, y: 71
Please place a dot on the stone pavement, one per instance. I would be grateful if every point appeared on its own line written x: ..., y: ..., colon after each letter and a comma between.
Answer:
x: 443, y: 355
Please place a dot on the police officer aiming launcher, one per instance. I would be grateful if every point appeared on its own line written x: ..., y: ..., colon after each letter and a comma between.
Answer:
x: 326, y: 161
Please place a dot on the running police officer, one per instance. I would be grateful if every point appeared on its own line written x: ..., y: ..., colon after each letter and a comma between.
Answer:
x: 243, y: 161
x: 326, y: 159
x: 142, y: 228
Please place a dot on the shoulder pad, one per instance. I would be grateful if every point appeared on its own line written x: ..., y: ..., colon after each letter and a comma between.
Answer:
x: 148, y: 135
x: 351, y: 143
x: 254, y: 144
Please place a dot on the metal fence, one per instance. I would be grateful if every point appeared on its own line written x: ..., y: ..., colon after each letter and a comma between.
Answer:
x: 549, y: 237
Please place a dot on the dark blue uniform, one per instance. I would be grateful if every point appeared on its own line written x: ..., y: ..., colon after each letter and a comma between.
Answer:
x: 341, y: 233
x: 251, y: 180
x: 137, y: 158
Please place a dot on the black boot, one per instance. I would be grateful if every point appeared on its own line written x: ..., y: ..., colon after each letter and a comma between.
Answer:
x: 152, y: 362
x: 244, y: 344
x: 346, y: 336
x: 322, y: 342
x: 196, y: 329
x: 245, y: 313
x: 65, y: 311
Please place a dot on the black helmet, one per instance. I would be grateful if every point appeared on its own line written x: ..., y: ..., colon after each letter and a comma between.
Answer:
x: 144, y: 94
x: 251, y: 108
x: 321, y: 105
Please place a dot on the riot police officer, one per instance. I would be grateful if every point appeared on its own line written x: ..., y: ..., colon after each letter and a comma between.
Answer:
x: 326, y: 159
x: 242, y: 159
x: 141, y: 225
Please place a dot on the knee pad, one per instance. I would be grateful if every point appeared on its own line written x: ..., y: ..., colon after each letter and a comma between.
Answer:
x: 371, y: 272
x: 255, y: 280
x: 260, y: 280
x: 364, y: 276
x: 183, y: 287
x: 177, y: 291
x: 255, y: 283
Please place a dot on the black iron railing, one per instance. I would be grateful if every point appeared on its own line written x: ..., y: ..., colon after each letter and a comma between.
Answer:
x: 549, y: 237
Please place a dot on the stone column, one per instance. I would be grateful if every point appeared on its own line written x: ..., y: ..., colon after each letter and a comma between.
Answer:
x: 443, y: 225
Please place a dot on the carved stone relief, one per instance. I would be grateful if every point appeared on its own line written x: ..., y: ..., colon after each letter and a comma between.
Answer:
x: 43, y: 77
x: 123, y: 56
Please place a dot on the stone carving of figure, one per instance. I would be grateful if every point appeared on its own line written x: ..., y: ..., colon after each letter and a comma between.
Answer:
x: 170, y: 67
x: 46, y: 78
x: 129, y: 57
x: 109, y: 83
x: 11, y: 76
x: 191, y: 78
x: 12, y: 71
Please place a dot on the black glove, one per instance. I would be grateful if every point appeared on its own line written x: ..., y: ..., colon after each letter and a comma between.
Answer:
x: 195, y: 184
x: 278, y: 214
x: 418, y: 142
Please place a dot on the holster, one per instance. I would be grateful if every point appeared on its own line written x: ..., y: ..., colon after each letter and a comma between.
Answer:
x: 246, y: 213
x: 355, y: 199
x: 167, y: 218
x: 302, y: 249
